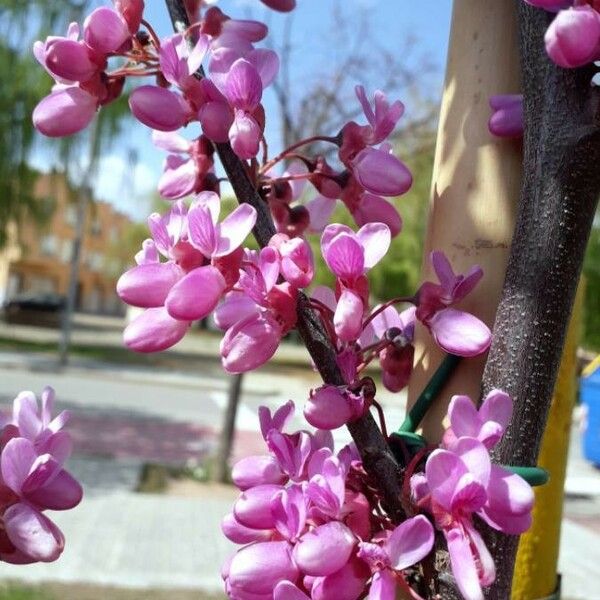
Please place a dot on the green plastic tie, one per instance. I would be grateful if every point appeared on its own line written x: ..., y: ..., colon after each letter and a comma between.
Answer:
x: 532, y: 475
x: 429, y: 394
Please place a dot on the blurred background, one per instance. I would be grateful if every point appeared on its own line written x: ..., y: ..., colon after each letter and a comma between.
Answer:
x: 148, y: 430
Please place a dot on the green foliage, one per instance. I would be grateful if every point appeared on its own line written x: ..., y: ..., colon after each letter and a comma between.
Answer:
x: 13, y: 591
x: 591, y: 270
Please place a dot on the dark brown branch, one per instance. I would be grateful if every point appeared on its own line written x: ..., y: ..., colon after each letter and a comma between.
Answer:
x: 559, y: 195
x: 377, y: 456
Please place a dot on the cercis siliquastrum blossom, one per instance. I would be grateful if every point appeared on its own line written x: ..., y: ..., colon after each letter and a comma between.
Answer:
x: 309, y: 522
x: 460, y: 482
x: 33, y: 450
x: 573, y: 37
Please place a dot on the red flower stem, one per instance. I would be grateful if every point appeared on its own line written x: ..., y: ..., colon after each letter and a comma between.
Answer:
x: 391, y: 302
x: 288, y: 151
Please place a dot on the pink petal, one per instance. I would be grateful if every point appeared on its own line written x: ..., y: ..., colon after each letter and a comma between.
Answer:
x: 64, y: 112
x: 158, y: 108
x: 171, y: 142
x: 196, y: 295
x: 61, y: 493
x: 325, y: 549
x: 257, y: 470
x: 345, y: 257
x: 286, y: 590
x: 443, y: 269
x: 202, y: 231
x: 235, y: 307
x: 18, y: 457
x: 280, y: 5
x: 375, y: 209
x: 105, y: 30
x: 375, y: 239
x: 243, y: 86
x: 381, y: 173
x: 346, y: 584
x: 245, y: 135
x: 497, y: 407
x: 443, y: 471
x: 258, y: 568
x: 266, y: 63
x: 253, y: 507
x: 410, y: 542
x: 475, y: 457
x: 234, y: 229
x: 216, y: 119
x: 154, y: 330
x: 383, y: 586
x: 33, y: 533
x: 70, y: 60
x: 179, y: 178
x: 250, y: 343
x: 487, y: 569
x: 320, y: 210
x: 347, y: 319
x: 328, y: 408
x: 460, y: 333
x: 276, y: 421
x: 25, y: 415
x: 463, y: 564
x: 463, y: 416
x: 237, y: 533
x: 148, y: 285
x: 331, y: 232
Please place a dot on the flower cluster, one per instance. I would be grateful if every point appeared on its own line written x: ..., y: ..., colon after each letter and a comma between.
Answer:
x: 573, y: 38
x: 33, y: 450
x: 459, y: 481
x: 310, y: 524
x: 78, y: 67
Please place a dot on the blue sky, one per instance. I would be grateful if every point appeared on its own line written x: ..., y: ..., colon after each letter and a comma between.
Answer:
x: 427, y: 22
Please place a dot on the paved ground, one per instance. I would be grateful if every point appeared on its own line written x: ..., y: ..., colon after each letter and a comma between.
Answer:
x: 125, y: 417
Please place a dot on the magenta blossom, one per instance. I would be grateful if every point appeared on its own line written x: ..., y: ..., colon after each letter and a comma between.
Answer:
x: 507, y: 117
x: 184, y: 176
x: 382, y: 120
x: 330, y: 407
x: 349, y: 256
x: 487, y: 424
x: 33, y: 480
x: 405, y: 546
x: 296, y: 259
x: 459, y: 483
x: 455, y: 331
x: 573, y: 38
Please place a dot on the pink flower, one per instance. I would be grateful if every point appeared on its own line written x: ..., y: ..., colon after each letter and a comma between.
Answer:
x: 382, y: 120
x: 297, y: 263
x: 462, y: 482
x: 105, y: 30
x: 178, y: 63
x: 33, y: 480
x: 405, y: 546
x: 159, y: 108
x: 64, y: 112
x: 550, y: 5
x: 381, y: 173
x: 573, y: 38
x: 183, y: 176
x: 487, y: 424
x: 349, y: 255
x: 330, y: 407
x: 154, y: 331
x: 455, y: 331
x: 131, y: 11
x: 507, y: 117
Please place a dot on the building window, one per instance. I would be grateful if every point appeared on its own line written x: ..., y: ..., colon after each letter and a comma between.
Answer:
x: 49, y: 245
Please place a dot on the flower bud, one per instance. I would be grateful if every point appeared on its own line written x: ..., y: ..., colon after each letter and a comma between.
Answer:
x: 573, y: 38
